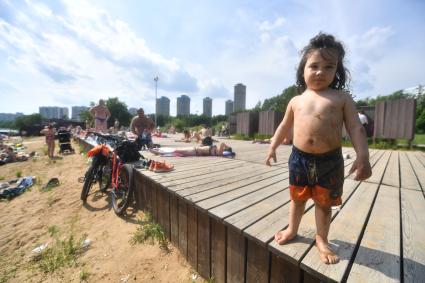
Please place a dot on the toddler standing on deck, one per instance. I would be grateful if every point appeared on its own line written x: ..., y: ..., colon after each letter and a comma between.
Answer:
x: 316, y: 165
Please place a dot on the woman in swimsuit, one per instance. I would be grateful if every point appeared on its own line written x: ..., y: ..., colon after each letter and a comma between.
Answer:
x: 49, y: 132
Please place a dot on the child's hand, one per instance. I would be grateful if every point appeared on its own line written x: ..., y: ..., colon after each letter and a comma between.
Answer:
x: 362, y: 168
x: 271, y: 155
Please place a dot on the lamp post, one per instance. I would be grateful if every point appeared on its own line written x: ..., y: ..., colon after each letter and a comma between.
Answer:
x: 156, y: 99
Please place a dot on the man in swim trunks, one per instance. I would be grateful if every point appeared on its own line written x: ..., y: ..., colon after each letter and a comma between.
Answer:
x: 142, y: 127
x: 101, y: 115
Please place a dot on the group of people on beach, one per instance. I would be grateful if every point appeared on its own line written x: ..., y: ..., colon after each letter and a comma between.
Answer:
x: 312, y: 122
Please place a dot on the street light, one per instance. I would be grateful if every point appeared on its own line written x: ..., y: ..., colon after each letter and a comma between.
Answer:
x: 156, y: 99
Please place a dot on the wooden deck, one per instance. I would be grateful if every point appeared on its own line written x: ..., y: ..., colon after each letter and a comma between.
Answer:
x: 222, y: 214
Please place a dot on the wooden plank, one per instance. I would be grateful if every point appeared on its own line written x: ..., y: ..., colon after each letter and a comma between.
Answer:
x: 236, y: 245
x: 165, y: 198
x: 203, y: 174
x: 248, y: 216
x: 160, y: 217
x: 192, y: 236
x: 174, y: 220
x: 378, y: 258
x: 138, y: 189
x: 283, y: 271
x: 413, y: 223
x: 418, y: 168
x: 379, y: 168
x: 204, y: 248
x: 216, y: 191
x: 343, y: 236
x: 392, y: 173
x: 228, y: 179
x: 407, y: 176
x: 224, y: 198
x: 295, y: 250
x: 154, y: 199
x: 245, y: 201
x: 149, y: 195
x: 374, y: 156
x: 218, y: 251
x: 183, y: 227
x: 257, y: 266
x: 182, y: 170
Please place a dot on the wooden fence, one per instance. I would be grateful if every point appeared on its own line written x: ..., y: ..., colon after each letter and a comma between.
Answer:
x: 247, y: 123
x: 395, y: 119
x: 269, y: 121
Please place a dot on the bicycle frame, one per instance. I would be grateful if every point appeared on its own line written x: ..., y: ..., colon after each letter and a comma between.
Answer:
x: 107, y: 151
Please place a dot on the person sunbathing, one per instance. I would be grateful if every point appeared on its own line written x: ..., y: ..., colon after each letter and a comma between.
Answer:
x: 213, y: 150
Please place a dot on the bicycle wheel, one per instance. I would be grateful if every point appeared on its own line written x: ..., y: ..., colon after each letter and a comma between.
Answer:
x: 89, y: 180
x: 122, y: 195
x: 105, y: 177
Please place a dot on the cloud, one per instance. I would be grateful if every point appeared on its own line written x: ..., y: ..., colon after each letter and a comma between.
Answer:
x: 269, y: 26
x: 56, y: 73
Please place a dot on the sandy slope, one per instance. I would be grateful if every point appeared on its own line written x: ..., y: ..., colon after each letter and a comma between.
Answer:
x: 24, y: 223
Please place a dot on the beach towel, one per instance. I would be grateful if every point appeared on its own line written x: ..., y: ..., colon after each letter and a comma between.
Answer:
x: 18, y: 186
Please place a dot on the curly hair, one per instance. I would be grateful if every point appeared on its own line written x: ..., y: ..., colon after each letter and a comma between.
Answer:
x: 328, y: 47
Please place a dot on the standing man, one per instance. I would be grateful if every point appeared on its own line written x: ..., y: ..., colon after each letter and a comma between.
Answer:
x: 101, y: 115
x: 142, y: 127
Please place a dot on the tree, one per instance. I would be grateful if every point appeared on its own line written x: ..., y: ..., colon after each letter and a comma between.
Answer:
x: 28, y: 120
x: 85, y: 115
x: 279, y: 103
x: 118, y: 111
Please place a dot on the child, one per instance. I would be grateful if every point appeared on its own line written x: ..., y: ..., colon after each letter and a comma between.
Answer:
x: 316, y: 166
x: 49, y: 132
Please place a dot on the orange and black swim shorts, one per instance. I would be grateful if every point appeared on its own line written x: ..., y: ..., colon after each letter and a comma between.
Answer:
x: 316, y: 176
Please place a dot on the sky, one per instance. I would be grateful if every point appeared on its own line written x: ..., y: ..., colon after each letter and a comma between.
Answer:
x: 70, y: 53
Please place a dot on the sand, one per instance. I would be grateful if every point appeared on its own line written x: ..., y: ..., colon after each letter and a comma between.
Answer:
x: 25, y: 220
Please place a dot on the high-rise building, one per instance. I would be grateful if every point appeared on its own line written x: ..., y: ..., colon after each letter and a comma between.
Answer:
x: 163, y: 106
x: 183, y: 105
x: 207, y: 107
x: 10, y: 116
x: 76, y: 110
x: 229, y: 107
x: 240, y: 97
x: 54, y: 112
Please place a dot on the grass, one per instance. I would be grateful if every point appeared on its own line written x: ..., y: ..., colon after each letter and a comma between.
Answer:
x: 19, y: 174
x: 53, y: 230
x: 1, y: 178
x: 391, y: 144
x: 82, y: 149
x: 240, y: 137
x: 61, y: 253
x: 84, y: 275
x: 150, y: 231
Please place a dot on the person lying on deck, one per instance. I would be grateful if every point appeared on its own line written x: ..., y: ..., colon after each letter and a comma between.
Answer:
x: 213, y: 150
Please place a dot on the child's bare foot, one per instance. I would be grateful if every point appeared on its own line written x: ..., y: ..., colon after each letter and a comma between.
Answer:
x: 282, y: 237
x: 326, y: 254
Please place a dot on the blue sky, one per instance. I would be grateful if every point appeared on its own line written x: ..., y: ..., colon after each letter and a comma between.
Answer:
x: 66, y: 53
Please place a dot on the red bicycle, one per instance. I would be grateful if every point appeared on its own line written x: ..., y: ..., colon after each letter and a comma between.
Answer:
x: 109, y: 167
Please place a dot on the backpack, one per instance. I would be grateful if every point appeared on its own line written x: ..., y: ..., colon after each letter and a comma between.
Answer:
x: 128, y: 151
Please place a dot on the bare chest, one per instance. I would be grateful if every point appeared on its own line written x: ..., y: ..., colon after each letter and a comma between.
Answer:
x: 325, y: 110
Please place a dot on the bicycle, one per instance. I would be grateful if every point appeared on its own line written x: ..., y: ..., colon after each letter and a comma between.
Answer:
x: 109, y: 167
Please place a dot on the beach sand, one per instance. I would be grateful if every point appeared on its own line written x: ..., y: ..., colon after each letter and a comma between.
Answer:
x: 25, y: 222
